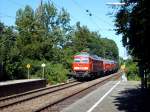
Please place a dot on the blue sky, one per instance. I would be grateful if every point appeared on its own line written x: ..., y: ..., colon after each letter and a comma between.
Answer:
x: 99, y: 21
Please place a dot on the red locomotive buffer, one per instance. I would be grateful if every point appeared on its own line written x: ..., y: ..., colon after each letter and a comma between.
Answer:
x: 86, y: 65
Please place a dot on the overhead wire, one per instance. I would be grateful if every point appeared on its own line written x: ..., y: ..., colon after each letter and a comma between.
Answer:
x: 90, y: 15
x: 59, y: 7
x: 56, y: 5
x: 91, y: 19
x: 16, y: 3
x: 4, y: 15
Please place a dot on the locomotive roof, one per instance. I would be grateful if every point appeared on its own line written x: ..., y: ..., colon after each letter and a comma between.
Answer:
x: 95, y: 57
x: 85, y: 54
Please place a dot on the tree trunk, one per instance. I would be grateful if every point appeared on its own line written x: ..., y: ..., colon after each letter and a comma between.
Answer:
x: 145, y: 79
x: 141, y: 71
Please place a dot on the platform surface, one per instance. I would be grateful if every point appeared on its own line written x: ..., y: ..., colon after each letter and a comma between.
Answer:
x: 13, y: 87
x: 125, y: 97
x: 17, y: 81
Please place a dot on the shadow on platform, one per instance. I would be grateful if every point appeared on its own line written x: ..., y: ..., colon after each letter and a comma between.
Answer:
x: 133, y: 100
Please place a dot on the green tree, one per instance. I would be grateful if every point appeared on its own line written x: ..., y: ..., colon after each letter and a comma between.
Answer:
x: 83, y: 38
x: 132, y: 70
x: 132, y: 21
x: 46, y: 36
x: 40, y: 36
x: 7, y: 41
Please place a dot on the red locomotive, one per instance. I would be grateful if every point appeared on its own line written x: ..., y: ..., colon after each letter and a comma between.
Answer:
x: 86, y: 65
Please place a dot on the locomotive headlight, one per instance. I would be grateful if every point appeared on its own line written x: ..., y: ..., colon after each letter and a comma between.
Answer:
x: 85, y: 68
x: 76, y: 68
x: 80, y: 68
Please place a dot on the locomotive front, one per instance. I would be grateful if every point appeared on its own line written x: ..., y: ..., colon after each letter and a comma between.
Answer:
x: 81, y: 66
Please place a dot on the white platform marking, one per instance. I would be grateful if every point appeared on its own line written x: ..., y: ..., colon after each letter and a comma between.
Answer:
x: 100, y: 100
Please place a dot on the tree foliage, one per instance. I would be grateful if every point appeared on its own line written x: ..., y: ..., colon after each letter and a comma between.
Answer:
x: 132, y: 21
x: 44, y: 35
x: 84, y: 39
x: 132, y: 70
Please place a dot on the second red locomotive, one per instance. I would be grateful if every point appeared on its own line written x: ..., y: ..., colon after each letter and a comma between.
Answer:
x: 86, y: 65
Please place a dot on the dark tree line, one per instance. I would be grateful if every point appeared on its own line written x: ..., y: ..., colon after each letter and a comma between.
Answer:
x: 132, y: 21
x: 44, y: 35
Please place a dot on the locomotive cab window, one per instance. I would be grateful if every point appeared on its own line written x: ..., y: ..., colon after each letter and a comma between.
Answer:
x: 76, y: 60
x: 85, y: 60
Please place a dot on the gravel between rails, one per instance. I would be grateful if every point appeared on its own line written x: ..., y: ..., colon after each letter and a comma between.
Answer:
x: 30, y: 95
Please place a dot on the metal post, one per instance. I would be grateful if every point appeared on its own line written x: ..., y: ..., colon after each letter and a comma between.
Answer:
x: 43, y: 73
x: 28, y: 67
x: 43, y: 66
x: 28, y: 73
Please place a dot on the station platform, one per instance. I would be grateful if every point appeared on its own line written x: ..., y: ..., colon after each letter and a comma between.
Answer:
x: 114, y: 96
x: 19, y: 86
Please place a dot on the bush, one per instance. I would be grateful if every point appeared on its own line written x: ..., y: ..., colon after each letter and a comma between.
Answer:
x: 55, y: 73
x: 132, y: 70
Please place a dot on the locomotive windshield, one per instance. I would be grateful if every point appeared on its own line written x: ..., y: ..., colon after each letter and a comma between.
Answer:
x: 82, y: 60
x: 77, y: 60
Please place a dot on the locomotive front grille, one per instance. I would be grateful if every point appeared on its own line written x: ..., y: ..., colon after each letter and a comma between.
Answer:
x: 80, y: 72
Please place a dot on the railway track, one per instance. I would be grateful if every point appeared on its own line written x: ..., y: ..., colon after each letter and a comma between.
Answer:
x: 44, y: 99
x: 14, y: 99
x: 67, y: 100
